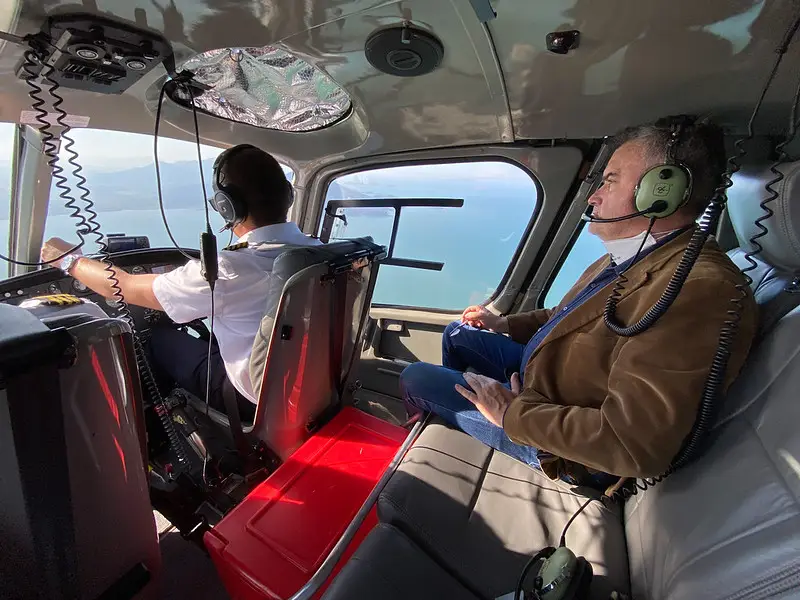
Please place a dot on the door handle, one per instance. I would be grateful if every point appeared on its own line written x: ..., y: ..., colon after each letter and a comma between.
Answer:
x: 393, y: 326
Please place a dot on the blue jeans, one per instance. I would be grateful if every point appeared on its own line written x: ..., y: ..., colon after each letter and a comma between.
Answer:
x: 432, y: 388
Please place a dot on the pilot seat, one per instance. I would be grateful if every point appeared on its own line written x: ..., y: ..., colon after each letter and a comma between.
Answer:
x: 316, y: 309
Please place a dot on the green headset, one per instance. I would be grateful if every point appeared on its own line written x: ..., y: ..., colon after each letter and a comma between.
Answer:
x: 667, y: 187
x: 662, y: 189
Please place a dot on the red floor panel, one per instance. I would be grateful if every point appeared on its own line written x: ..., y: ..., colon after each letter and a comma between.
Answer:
x: 273, y: 542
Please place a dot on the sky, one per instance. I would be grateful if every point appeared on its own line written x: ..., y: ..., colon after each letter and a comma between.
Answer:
x: 6, y: 135
x: 117, y: 150
x: 114, y: 150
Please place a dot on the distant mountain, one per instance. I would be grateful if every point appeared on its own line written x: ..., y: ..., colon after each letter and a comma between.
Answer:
x: 131, y: 189
x: 135, y: 188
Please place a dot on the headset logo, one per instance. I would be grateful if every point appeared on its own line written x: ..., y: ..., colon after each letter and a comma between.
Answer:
x: 662, y: 189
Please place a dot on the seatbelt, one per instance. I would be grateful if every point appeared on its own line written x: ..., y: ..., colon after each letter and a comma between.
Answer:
x: 338, y: 302
x: 232, y: 408
x: 357, y: 344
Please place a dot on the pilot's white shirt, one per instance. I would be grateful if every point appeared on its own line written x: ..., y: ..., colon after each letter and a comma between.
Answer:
x: 239, y: 296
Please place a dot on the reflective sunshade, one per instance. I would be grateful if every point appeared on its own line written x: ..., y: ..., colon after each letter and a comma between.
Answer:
x: 266, y: 87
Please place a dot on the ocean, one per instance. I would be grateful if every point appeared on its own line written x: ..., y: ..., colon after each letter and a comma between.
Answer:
x: 475, y: 243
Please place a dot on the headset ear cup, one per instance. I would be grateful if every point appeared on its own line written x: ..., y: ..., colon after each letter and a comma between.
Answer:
x: 289, y: 195
x: 668, y: 185
x: 240, y: 211
x: 229, y: 207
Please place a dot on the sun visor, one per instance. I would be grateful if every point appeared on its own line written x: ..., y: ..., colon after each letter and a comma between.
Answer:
x: 266, y: 87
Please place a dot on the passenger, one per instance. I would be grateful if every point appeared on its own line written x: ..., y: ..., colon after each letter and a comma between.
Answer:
x: 240, y: 293
x: 562, y: 392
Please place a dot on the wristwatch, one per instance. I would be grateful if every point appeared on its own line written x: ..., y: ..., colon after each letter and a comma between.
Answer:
x: 68, y: 261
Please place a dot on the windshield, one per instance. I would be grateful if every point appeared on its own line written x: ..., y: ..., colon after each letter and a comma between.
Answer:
x: 6, y: 150
x: 121, y: 177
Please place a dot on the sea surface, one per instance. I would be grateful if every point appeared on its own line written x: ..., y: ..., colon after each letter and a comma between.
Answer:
x: 475, y: 249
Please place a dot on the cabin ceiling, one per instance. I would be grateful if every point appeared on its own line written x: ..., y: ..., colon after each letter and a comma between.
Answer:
x: 497, y: 83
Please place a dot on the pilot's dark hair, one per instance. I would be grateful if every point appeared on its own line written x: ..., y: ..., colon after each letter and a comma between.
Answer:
x: 701, y: 147
x: 262, y: 184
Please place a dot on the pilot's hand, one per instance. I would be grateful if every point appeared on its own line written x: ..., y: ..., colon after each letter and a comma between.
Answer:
x: 478, y: 316
x: 490, y: 397
x: 55, y: 247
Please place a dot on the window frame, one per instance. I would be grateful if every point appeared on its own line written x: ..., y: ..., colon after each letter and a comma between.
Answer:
x: 538, y: 204
x: 551, y: 277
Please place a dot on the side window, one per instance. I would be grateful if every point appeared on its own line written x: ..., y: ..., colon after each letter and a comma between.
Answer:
x: 6, y: 150
x: 586, y: 249
x: 121, y: 179
x: 476, y: 242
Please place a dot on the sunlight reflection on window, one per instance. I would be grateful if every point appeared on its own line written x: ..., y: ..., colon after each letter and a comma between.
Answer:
x: 793, y: 463
x: 736, y: 29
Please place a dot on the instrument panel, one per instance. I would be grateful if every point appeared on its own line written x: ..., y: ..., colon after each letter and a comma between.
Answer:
x: 50, y: 280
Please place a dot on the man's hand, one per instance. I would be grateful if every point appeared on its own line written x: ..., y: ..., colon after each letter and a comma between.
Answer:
x: 136, y: 289
x: 490, y: 397
x: 55, y: 247
x: 478, y: 316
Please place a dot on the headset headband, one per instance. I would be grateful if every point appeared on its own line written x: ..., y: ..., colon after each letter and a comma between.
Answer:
x: 225, y: 157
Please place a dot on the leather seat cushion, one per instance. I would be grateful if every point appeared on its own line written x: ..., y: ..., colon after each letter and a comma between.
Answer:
x: 483, y: 514
x: 389, y: 566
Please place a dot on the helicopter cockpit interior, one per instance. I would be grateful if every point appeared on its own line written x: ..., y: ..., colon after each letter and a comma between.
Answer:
x: 438, y: 155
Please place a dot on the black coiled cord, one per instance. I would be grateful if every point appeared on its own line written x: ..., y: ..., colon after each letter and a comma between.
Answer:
x: 145, y: 372
x: 60, y: 180
x: 671, y: 292
x: 716, y: 377
x: 31, y: 59
x: 88, y: 225
x: 712, y: 389
x: 709, y: 402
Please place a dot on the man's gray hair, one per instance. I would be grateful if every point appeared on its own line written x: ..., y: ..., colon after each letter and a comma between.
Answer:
x: 701, y: 148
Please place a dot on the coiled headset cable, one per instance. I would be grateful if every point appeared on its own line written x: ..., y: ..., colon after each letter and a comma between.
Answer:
x: 692, y: 446
x: 32, y: 57
x: 85, y: 226
x: 712, y: 390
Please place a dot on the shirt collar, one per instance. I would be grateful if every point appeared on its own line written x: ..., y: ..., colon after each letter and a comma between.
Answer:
x: 661, y: 239
x: 279, y: 232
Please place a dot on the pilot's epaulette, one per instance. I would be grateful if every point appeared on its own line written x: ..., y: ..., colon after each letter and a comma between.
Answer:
x: 238, y: 246
x: 57, y: 300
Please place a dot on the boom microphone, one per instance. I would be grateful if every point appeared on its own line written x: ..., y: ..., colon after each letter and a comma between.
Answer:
x: 656, y: 207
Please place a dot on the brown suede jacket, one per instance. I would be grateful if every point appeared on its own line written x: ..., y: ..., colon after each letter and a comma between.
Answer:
x: 624, y: 405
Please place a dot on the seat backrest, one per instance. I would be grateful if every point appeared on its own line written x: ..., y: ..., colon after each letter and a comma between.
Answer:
x: 317, y: 306
x: 728, y: 525
x: 75, y: 512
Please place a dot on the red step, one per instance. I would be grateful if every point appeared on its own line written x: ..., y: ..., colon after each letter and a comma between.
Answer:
x: 272, y: 543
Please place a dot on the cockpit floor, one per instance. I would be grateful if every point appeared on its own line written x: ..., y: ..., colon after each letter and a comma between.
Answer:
x: 187, y: 571
x: 378, y: 405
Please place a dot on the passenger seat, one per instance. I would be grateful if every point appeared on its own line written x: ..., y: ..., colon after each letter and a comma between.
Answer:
x: 725, y: 527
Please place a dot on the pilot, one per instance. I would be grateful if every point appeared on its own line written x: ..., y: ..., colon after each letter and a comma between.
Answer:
x: 256, y: 202
x: 556, y: 388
